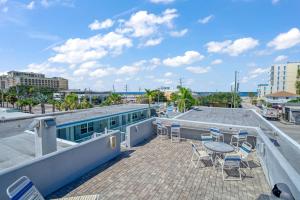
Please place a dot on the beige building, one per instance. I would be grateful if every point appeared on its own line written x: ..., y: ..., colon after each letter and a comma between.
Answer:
x: 283, y: 77
x: 14, y: 78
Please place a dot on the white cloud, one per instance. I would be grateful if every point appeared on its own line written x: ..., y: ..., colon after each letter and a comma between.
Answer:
x: 164, y: 81
x: 96, y: 25
x: 30, y: 5
x: 179, y: 33
x: 2, y: 2
x: 217, y: 62
x: 233, y: 48
x: 152, y: 42
x: 189, y: 57
x: 128, y: 70
x: 162, y: 1
x: 286, y: 40
x: 45, y: 68
x: 101, y: 72
x: 275, y: 2
x: 205, y: 20
x: 198, y: 70
x: 168, y: 74
x: 254, y: 74
x: 96, y: 47
x: 148, y: 65
x: 280, y: 58
x: 142, y: 23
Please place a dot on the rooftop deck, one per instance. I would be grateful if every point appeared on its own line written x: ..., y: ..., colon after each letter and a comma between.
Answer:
x: 160, y: 169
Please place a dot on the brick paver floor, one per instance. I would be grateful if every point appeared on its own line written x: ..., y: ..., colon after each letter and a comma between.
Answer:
x: 159, y: 169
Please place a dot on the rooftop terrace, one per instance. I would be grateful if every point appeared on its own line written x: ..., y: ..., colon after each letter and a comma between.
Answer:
x: 159, y: 169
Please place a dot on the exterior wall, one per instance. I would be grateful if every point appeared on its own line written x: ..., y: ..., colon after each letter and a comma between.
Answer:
x: 283, y: 77
x: 139, y: 132
x: 57, y: 169
x: 81, y: 131
x: 262, y: 90
x: 14, y: 78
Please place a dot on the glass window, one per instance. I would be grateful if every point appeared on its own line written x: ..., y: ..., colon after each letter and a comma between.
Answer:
x: 83, y: 128
x: 114, y: 122
x: 124, y: 120
x: 61, y: 133
x: 90, y: 127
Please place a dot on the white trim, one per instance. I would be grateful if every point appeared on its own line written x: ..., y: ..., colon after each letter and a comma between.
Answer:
x: 57, y: 139
x: 180, y: 115
x: 278, y: 130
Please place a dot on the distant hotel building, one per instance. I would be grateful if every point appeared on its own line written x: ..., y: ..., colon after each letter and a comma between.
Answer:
x: 14, y: 78
x: 283, y: 77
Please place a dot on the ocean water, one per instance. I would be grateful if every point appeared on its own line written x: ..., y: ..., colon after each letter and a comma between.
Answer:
x: 242, y: 94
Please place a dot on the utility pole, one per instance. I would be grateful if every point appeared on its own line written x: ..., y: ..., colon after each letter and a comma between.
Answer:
x: 180, y: 81
x: 235, y: 89
x: 114, y: 88
x: 126, y: 89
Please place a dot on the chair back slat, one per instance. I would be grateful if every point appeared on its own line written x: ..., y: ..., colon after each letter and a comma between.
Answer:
x: 205, y: 138
x: 243, y: 133
x: 195, y: 150
x: 245, y: 149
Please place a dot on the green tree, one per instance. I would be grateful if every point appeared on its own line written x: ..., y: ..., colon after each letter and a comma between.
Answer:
x: 159, y: 96
x: 85, y: 104
x: 21, y: 103
x: 42, y: 99
x: 185, y: 99
x: 71, y: 101
x: 297, y: 84
x: 11, y: 98
x: 149, y: 94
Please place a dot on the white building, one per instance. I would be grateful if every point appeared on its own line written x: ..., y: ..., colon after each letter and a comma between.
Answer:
x: 262, y: 90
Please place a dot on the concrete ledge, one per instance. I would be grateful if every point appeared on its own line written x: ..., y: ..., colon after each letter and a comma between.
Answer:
x: 57, y: 169
x: 139, y: 132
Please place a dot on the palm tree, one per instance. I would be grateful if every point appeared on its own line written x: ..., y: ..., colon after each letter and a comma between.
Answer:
x: 185, y: 99
x: 149, y: 94
x: 42, y: 99
x: 31, y: 102
x: 11, y: 98
x: 85, y: 104
x: 21, y: 103
x: 71, y: 101
x: 115, y: 98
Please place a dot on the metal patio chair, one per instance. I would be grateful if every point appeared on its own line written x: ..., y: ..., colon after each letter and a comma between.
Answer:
x: 175, y: 132
x: 198, y: 155
x: 240, y: 137
x: 216, y: 134
x: 231, y: 161
x: 161, y: 130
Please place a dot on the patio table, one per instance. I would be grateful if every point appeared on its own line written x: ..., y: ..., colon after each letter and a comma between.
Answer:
x: 219, y: 147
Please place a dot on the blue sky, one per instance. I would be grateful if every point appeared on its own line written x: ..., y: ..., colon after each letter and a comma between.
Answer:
x: 150, y: 43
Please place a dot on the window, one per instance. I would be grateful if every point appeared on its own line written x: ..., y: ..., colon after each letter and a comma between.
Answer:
x: 134, y: 116
x: 83, y: 128
x: 90, y: 127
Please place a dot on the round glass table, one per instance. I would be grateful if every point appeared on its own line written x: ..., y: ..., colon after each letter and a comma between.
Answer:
x: 219, y: 147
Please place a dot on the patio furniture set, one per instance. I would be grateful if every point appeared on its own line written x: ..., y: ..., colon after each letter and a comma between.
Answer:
x: 212, y: 148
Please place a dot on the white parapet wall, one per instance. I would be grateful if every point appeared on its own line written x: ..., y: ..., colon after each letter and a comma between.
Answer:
x: 54, y: 170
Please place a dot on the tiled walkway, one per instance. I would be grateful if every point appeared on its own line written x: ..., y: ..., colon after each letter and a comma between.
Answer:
x: 160, y: 169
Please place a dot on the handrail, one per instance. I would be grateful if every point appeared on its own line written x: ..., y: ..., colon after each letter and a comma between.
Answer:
x: 277, y: 130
